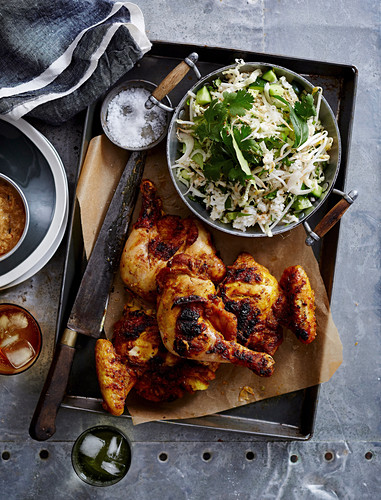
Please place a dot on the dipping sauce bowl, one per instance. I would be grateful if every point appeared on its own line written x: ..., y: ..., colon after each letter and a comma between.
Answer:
x: 14, y: 217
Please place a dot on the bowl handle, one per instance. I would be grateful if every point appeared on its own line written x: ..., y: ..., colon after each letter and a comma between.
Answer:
x: 171, y: 80
x: 330, y: 219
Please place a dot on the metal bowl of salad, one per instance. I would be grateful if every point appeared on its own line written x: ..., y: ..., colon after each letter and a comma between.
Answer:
x: 253, y: 149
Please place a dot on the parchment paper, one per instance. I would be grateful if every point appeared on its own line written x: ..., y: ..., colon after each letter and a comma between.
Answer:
x: 297, y: 366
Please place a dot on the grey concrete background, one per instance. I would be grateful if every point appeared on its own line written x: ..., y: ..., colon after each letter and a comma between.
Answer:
x: 348, y: 416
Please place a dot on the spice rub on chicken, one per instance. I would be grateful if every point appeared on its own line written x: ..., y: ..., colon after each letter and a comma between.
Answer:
x: 263, y: 306
x: 136, y: 358
x: 254, y: 296
x: 194, y: 323
x: 301, y: 317
x: 156, y: 238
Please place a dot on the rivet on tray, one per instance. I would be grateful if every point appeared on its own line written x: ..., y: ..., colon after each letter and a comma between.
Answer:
x: 206, y: 456
x: 163, y: 457
x: 294, y: 458
x: 5, y: 455
x: 250, y: 455
x: 329, y: 456
x: 369, y: 455
x: 44, y: 454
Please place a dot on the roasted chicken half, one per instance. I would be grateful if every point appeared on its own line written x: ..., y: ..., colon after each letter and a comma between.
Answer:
x: 263, y: 306
x: 156, y: 238
x: 254, y: 296
x: 193, y: 321
x: 136, y: 358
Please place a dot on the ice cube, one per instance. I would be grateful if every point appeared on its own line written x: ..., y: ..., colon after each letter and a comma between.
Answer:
x: 19, y: 353
x: 9, y: 339
x: 91, y: 446
x: 114, y: 447
x: 112, y: 467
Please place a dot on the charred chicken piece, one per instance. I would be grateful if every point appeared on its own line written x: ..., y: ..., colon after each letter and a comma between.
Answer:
x: 136, y: 358
x: 194, y: 323
x: 254, y: 296
x: 300, y: 303
x: 263, y: 306
x: 156, y: 238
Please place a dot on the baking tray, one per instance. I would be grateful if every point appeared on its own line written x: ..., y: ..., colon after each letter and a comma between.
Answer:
x: 290, y: 416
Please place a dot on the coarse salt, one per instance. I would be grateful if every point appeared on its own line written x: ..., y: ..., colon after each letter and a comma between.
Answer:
x: 130, y: 123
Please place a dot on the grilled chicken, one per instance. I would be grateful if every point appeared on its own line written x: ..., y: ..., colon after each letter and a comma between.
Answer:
x: 193, y: 321
x: 300, y: 303
x: 254, y: 296
x: 156, y: 238
x: 263, y: 306
x: 136, y: 358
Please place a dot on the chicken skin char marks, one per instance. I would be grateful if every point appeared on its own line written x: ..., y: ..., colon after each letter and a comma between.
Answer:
x: 156, y: 238
x: 194, y: 323
x: 300, y: 297
x: 263, y: 306
x: 136, y: 358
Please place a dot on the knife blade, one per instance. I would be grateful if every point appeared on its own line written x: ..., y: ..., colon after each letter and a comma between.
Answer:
x: 90, y: 305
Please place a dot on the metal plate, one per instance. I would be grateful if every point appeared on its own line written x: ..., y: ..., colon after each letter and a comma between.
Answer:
x: 290, y: 416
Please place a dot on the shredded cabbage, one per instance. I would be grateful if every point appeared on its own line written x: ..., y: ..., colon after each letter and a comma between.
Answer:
x: 281, y: 173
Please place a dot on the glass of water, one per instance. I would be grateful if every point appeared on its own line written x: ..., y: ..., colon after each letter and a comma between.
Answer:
x: 101, y: 455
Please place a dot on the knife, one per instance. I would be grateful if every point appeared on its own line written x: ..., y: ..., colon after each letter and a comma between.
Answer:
x: 89, y: 308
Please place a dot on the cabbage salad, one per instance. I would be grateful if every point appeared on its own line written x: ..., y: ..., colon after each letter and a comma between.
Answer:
x: 253, y: 150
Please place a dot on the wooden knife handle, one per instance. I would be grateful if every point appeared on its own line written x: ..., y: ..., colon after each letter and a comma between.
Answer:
x: 43, y: 424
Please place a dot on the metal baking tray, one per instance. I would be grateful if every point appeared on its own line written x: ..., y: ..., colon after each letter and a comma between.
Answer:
x: 290, y: 416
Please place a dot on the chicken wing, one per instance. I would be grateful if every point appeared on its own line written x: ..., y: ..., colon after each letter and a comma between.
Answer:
x: 254, y: 296
x: 136, y: 358
x: 300, y: 303
x: 156, y: 238
x: 193, y: 321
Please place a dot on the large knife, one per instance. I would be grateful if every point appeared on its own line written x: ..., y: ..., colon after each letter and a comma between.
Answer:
x: 89, y: 308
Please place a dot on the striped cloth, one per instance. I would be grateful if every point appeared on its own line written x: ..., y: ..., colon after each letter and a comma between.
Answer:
x: 59, y: 56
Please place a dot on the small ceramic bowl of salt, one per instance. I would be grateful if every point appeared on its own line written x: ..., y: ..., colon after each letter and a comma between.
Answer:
x: 126, y: 120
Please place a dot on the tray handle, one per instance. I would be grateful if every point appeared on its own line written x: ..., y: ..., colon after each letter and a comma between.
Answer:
x: 331, y: 218
x: 171, y: 80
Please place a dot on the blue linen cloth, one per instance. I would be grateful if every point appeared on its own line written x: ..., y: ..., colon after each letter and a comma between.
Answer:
x: 57, y: 57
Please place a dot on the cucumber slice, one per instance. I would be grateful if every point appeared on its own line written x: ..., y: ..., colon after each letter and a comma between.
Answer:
x: 270, y: 76
x: 276, y: 89
x: 301, y: 203
x: 203, y: 96
x: 317, y: 191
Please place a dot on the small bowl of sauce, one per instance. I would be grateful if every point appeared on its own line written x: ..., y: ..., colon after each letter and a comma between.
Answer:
x: 20, y: 339
x: 14, y: 217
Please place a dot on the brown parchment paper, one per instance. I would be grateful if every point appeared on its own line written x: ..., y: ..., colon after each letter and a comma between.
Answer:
x: 297, y: 366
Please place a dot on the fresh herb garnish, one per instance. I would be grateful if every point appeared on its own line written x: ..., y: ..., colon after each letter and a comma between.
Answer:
x: 305, y: 108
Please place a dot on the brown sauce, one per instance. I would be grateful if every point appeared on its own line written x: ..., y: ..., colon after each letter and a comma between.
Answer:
x: 12, y: 217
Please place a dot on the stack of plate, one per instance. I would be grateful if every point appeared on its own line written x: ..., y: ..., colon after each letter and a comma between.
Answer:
x: 28, y: 158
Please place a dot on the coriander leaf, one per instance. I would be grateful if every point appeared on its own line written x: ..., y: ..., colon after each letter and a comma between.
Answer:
x: 244, y: 144
x: 216, y: 166
x: 305, y: 107
x: 212, y: 171
x: 237, y: 103
x: 209, y: 126
x: 236, y: 174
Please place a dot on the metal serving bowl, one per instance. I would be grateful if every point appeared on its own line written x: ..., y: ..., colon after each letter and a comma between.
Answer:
x: 122, y: 87
x: 326, y: 117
